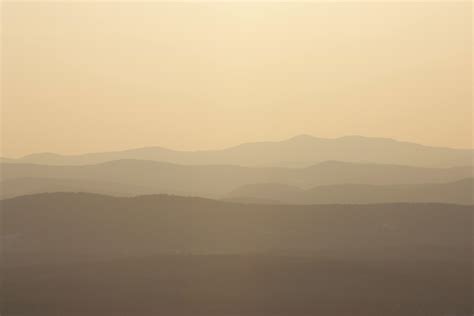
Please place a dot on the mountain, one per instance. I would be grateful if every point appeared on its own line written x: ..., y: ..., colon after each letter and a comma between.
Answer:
x: 132, y: 177
x: 459, y: 192
x: 299, y: 151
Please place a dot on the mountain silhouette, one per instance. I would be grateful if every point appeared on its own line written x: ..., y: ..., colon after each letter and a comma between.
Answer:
x: 215, y: 181
x: 299, y: 151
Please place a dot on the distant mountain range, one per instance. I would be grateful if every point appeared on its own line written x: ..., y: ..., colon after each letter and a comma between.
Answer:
x: 136, y: 177
x: 460, y: 192
x: 299, y: 151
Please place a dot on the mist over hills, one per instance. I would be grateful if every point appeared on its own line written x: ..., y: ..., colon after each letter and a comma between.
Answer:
x: 459, y: 192
x: 135, y: 177
x: 299, y: 151
x: 163, y: 173
x: 289, y: 223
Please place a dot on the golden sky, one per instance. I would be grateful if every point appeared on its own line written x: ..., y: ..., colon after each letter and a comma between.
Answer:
x: 82, y: 77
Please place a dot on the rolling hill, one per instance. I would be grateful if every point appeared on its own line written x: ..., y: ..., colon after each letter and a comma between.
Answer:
x: 78, y: 225
x: 460, y: 192
x: 211, y: 180
x: 26, y: 186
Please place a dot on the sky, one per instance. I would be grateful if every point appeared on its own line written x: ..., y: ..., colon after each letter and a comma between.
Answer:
x: 99, y: 76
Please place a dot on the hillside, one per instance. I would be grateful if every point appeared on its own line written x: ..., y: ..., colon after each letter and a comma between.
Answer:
x: 85, y: 254
x: 250, y: 285
x: 83, y: 225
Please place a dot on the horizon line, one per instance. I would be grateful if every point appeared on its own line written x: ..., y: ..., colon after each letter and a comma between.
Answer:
x: 303, y: 135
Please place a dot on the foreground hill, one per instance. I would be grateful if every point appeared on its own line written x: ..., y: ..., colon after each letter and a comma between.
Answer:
x: 84, y: 254
x: 69, y: 225
x: 299, y: 151
x: 209, y: 181
x: 459, y: 192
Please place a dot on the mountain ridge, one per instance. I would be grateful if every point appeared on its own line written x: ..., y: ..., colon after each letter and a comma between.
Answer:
x: 457, y: 192
x: 218, y: 180
x: 300, y: 150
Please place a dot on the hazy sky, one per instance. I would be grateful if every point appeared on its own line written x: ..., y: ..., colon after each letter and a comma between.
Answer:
x: 81, y: 77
